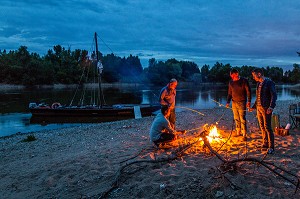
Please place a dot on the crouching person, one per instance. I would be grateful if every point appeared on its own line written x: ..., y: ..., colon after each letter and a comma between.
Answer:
x: 161, y: 130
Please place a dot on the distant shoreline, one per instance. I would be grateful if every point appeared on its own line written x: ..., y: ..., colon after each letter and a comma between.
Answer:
x: 104, y: 85
x: 93, y: 85
x: 61, y: 86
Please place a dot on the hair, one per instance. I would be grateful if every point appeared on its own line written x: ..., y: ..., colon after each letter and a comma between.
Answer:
x: 258, y: 70
x: 234, y: 70
x: 164, y: 109
x: 172, y: 80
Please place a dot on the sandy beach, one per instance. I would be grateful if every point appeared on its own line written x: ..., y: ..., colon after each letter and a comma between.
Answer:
x: 86, y: 161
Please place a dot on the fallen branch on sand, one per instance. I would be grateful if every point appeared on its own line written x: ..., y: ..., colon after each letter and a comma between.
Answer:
x: 177, y: 154
x: 267, y: 165
x: 226, y: 166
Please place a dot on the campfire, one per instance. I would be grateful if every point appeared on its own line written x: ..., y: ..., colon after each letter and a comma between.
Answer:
x: 212, y: 134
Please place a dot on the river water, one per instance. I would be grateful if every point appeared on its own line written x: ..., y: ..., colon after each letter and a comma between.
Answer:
x: 16, y: 118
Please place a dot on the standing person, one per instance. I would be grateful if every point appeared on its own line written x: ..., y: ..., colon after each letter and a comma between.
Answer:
x: 161, y: 130
x: 265, y: 102
x: 240, y: 93
x: 167, y: 99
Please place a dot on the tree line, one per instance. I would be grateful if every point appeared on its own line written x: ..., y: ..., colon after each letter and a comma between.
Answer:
x: 63, y: 66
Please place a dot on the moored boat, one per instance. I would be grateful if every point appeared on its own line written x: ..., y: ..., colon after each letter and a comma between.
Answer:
x: 118, y: 110
x: 98, y: 107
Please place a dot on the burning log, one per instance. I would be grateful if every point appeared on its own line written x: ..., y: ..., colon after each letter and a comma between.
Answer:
x: 204, y: 136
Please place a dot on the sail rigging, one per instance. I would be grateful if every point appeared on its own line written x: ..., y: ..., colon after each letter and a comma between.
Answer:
x: 99, y: 69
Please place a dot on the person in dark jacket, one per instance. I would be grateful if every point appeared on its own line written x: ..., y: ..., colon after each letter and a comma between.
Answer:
x: 167, y: 99
x: 240, y: 94
x: 265, y: 102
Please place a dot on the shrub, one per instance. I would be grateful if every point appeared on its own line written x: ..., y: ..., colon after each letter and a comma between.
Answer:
x: 29, y: 138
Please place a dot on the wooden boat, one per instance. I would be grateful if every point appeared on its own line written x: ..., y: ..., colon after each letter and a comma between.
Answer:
x: 98, y: 108
x: 45, y: 120
x: 119, y: 110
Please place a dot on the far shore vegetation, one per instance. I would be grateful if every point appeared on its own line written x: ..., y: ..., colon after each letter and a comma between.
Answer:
x: 63, y: 66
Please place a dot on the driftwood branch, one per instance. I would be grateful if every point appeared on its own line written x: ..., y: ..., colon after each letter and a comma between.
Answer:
x: 233, y: 186
x: 177, y: 154
x: 261, y: 162
x: 226, y: 163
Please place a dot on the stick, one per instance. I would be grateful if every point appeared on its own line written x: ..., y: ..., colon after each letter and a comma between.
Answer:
x: 262, y: 162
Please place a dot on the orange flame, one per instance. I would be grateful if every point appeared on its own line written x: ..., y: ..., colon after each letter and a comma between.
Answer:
x: 213, y: 135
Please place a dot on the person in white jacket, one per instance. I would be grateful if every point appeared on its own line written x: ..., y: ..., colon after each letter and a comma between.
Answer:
x: 161, y: 130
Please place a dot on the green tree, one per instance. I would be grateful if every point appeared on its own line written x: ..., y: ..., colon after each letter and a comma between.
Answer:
x: 111, y: 65
x: 189, y: 69
x: 295, y: 74
x: 65, y: 64
x: 5, y: 64
x: 173, y: 69
x: 220, y: 73
x: 205, y: 73
x: 275, y: 73
x: 131, y: 69
x: 156, y: 72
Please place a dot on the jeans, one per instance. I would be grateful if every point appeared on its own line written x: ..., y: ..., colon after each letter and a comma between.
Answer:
x: 164, y: 137
x: 172, y: 117
x: 265, y: 125
x: 239, y: 115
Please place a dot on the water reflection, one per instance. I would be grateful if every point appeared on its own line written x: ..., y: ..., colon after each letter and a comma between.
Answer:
x: 20, y: 123
x: 287, y: 93
x: 45, y: 120
x: 15, y: 116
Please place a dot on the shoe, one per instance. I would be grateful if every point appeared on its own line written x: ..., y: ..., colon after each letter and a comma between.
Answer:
x: 244, y: 138
x: 270, y: 151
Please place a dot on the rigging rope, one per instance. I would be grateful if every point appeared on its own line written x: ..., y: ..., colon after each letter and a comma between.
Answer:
x: 77, y: 88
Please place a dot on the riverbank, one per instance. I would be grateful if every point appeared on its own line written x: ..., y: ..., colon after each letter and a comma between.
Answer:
x: 82, y: 162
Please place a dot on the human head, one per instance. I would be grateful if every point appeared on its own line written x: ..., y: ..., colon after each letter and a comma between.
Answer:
x: 234, y: 74
x: 172, y: 83
x: 258, y: 74
x: 165, y: 111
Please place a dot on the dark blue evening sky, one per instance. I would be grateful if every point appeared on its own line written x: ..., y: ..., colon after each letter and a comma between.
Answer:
x: 251, y: 32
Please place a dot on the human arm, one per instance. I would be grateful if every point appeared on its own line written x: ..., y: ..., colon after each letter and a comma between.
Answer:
x: 162, y: 96
x: 229, y: 95
x: 248, y: 93
x: 273, y: 95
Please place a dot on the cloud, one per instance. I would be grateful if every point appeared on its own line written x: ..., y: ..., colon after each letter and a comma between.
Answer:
x: 235, y: 32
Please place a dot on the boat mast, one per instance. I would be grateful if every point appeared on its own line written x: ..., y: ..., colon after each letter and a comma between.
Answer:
x: 99, y: 74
